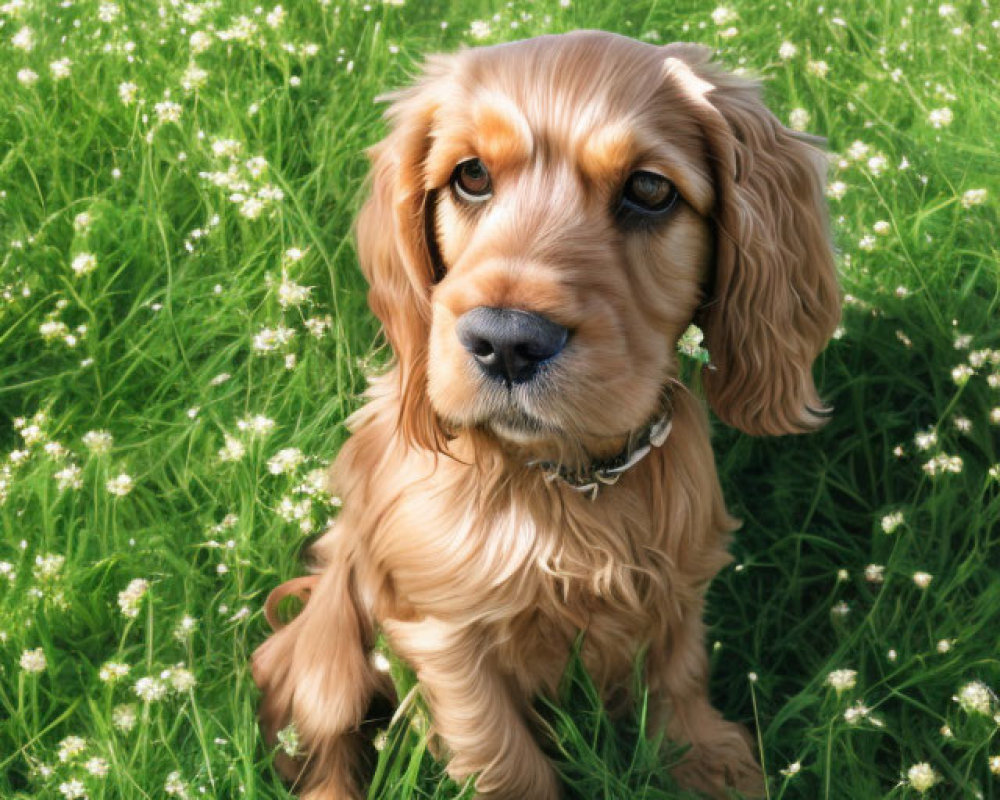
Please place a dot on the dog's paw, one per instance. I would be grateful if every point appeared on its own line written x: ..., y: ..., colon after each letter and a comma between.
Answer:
x: 723, y: 767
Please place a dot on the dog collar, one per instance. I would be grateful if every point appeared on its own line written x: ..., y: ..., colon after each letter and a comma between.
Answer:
x: 608, y: 471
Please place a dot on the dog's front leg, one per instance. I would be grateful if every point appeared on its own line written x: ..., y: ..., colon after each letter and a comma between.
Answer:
x: 475, y: 711
x: 721, y: 754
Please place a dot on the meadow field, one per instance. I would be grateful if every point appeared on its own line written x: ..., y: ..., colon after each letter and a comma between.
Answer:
x: 183, y: 331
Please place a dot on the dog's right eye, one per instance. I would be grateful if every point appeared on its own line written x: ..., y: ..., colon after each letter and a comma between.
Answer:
x: 471, y: 181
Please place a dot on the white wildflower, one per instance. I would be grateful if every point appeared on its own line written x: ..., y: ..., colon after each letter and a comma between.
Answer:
x: 127, y: 92
x: 107, y: 12
x: 817, y: 68
x: 921, y: 777
x: 258, y: 425
x: 167, y: 111
x: 71, y: 747
x: 962, y: 373
x: 233, y: 450
x: 787, y: 51
x: 290, y: 293
x: 120, y: 485
x: 317, y: 326
x: 83, y: 264
x: 112, y: 671
x: 194, y: 78
x: 269, y: 339
x: 285, y: 461
x: 856, y: 713
x: 877, y: 164
x: 480, y: 29
x: 857, y: 150
x: 53, y: 329
x: 60, y: 68
x: 24, y: 39
x: 836, y: 190
x: 150, y: 690
x: 723, y: 15
x: 798, y: 119
x: 175, y: 786
x: 251, y: 208
x: 98, y: 442
x: 975, y: 697
x: 33, y: 660
x: 27, y: 76
x: 257, y: 166
x: 180, y: 678
x: 131, y: 596
x: 842, y: 679
x: 875, y: 573
x: 973, y: 197
x: 226, y: 148
x: 922, y: 579
x: 96, y: 766
x: 73, y: 789
x: 123, y: 717
x: 891, y: 522
x: 48, y: 567
x: 943, y: 463
x: 185, y: 628
x: 940, y: 117
x: 69, y: 477
x: 288, y: 740
x: 200, y: 42
x: 275, y: 17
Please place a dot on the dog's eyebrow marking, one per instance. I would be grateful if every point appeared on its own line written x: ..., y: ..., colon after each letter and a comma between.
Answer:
x: 493, y: 129
x: 610, y: 151
x: 502, y: 134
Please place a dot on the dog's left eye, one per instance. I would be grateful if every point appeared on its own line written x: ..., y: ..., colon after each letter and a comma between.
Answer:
x: 646, y: 196
x: 471, y: 181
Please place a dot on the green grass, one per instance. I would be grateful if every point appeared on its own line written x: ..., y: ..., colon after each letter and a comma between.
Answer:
x: 166, y: 312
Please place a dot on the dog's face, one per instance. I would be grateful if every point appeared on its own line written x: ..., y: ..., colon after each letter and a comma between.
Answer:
x: 549, y: 216
x: 571, y: 222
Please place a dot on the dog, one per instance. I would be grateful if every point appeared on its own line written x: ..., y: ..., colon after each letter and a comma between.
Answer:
x: 546, y: 218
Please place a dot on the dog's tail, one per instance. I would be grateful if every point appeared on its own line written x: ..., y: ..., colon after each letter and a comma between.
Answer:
x: 314, y: 673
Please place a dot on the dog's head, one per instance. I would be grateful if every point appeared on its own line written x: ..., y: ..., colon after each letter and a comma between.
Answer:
x: 548, y: 216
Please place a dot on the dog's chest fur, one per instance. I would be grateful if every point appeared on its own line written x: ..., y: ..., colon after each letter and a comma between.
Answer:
x: 527, y: 566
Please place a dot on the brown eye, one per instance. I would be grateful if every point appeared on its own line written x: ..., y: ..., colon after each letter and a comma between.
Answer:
x: 471, y: 182
x: 646, y: 196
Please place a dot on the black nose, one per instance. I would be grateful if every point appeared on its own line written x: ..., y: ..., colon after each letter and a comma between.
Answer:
x: 510, y: 344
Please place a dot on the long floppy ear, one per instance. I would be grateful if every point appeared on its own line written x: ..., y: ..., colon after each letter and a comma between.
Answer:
x: 395, y: 250
x: 773, y: 300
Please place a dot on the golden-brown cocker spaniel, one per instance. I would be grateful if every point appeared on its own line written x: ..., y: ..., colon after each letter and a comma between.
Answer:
x: 546, y: 218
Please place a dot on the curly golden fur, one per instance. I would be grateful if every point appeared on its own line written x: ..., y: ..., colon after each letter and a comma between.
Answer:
x: 480, y: 572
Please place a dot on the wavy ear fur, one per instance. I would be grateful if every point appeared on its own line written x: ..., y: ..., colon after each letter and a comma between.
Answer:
x: 394, y: 250
x: 774, y: 300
